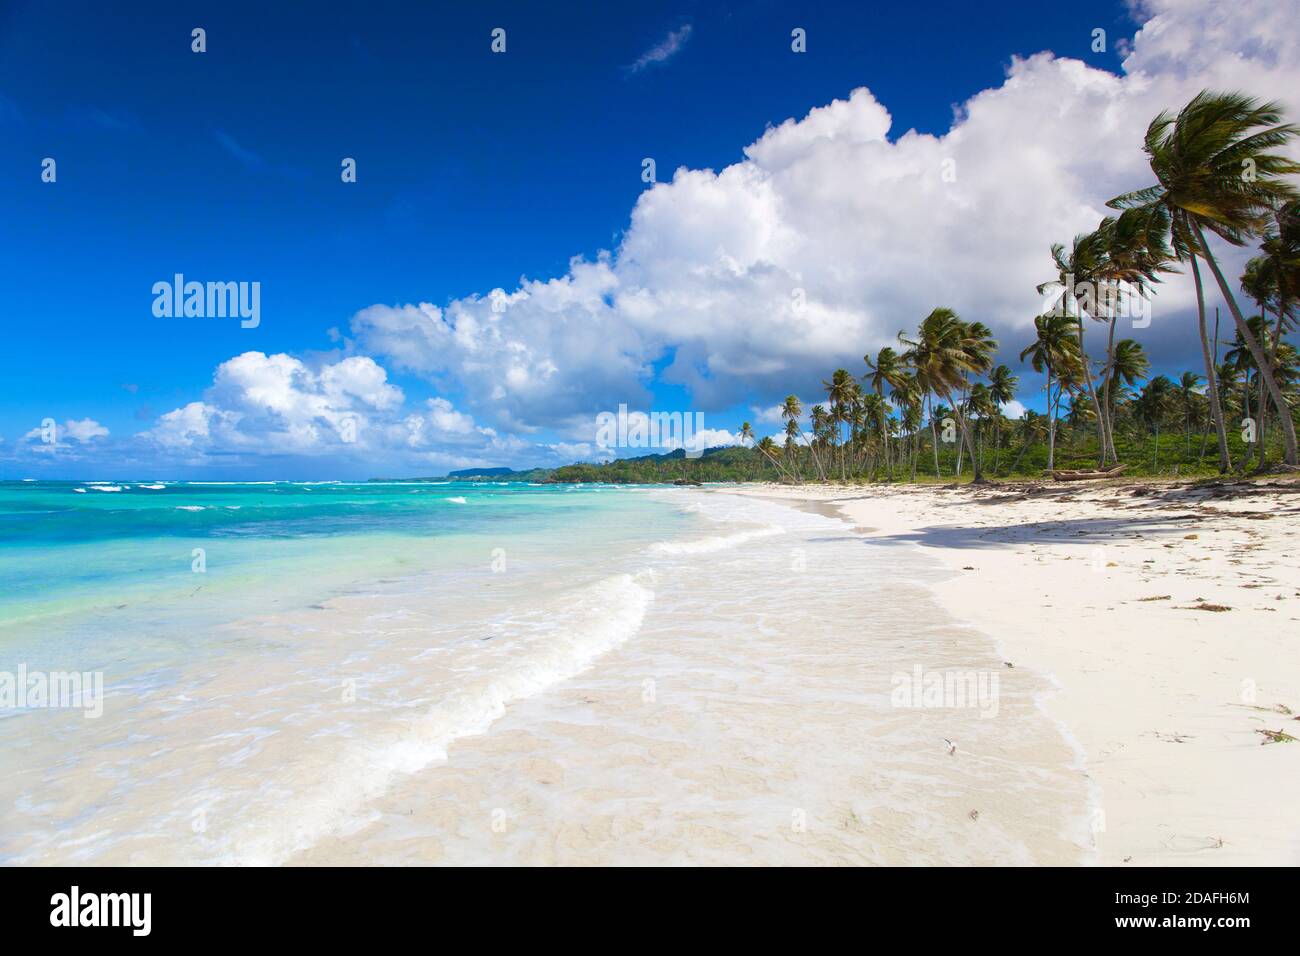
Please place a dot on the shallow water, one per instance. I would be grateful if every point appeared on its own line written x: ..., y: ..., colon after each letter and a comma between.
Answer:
x: 476, y: 673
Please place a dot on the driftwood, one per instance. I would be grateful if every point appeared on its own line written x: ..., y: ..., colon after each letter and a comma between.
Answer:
x: 1088, y: 474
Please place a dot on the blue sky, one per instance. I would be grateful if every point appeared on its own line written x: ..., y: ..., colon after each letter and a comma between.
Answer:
x: 474, y: 170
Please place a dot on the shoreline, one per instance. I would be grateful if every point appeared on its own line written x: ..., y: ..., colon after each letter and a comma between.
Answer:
x: 748, y: 721
x: 1163, y: 694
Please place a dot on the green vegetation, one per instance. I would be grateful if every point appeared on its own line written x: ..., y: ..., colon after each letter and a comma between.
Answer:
x: 1216, y: 172
x: 933, y: 408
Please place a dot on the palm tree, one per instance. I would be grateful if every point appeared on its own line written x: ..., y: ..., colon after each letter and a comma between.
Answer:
x: 1053, y: 352
x: 1077, y: 414
x: 1078, y: 276
x: 1152, y: 406
x: 945, y: 352
x: 979, y: 345
x: 820, y: 423
x: 911, y: 424
x: 981, y: 407
x: 887, y: 369
x: 1136, y: 253
x: 1214, y: 171
x: 791, y: 448
x: 1188, y: 395
x: 1002, y: 389
x: 1032, y: 428
x: 1128, y: 366
x: 839, y: 393
x: 766, y: 447
x: 1274, y: 279
x: 870, y: 422
x: 792, y: 411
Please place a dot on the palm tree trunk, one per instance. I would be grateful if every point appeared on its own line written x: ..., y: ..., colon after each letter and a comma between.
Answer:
x: 812, y: 453
x: 1261, y: 360
x: 1020, y: 457
x: 1087, y: 382
x: 934, y: 435
x: 1262, y: 401
x: 1108, y: 427
x: 1277, y: 341
x: 1051, y: 424
x: 1211, y: 373
x: 966, y: 441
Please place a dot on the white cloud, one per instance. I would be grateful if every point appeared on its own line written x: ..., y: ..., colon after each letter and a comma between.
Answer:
x: 771, y: 415
x: 79, y: 430
x: 276, y: 404
x: 261, y: 405
x: 829, y: 237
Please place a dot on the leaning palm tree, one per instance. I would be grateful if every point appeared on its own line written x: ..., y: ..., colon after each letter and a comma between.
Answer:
x: 1054, y: 352
x: 1032, y: 429
x: 767, y: 448
x: 1273, y: 279
x: 1215, y: 171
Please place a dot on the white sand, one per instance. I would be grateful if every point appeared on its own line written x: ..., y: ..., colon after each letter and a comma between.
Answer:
x: 1166, y: 701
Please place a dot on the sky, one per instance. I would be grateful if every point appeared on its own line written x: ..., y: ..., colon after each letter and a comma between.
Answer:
x: 500, y: 272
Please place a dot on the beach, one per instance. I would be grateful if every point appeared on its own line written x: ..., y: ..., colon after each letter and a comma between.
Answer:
x: 1166, y: 615
x: 485, y: 674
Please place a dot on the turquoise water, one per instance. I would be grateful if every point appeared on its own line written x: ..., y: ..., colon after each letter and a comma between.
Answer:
x: 275, y: 646
x: 79, y: 565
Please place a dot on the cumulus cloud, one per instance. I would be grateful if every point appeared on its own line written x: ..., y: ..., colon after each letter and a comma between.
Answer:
x: 277, y: 404
x: 836, y: 231
x: 266, y: 405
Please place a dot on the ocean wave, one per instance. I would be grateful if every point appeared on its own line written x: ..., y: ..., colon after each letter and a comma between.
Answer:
x: 716, y: 543
x: 191, y: 508
x: 458, y: 500
x: 552, y: 643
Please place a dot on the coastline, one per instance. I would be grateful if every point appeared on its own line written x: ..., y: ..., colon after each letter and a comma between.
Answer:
x: 750, y: 721
x: 1110, y: 592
